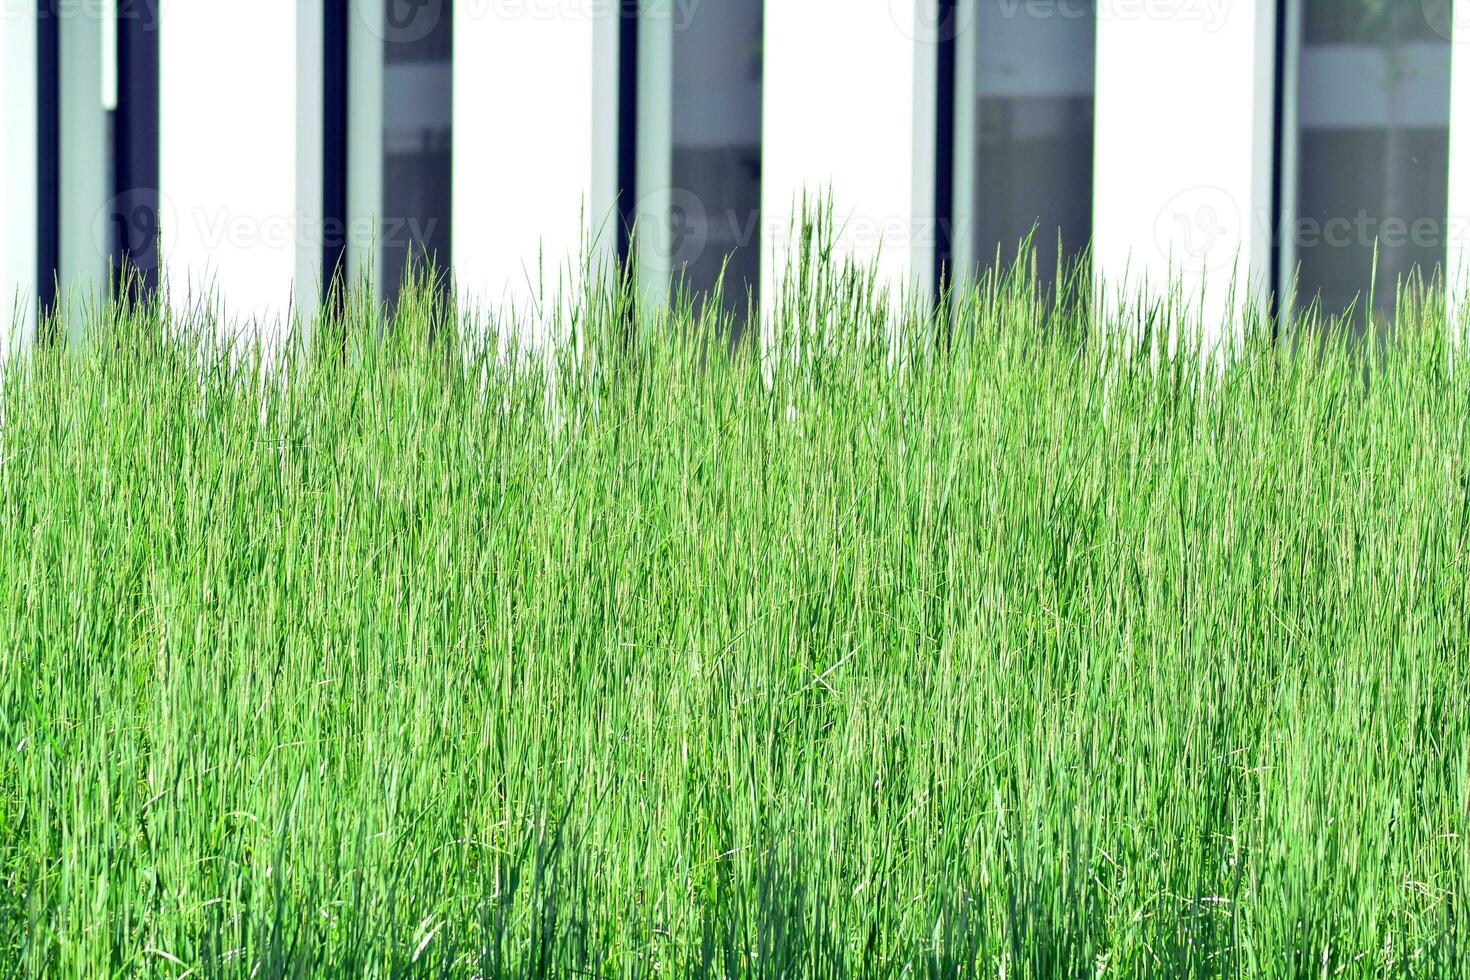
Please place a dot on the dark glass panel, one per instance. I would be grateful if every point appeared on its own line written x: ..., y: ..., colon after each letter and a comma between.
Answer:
x: 418, y: 101
x: 1372, y: 152
x: 1033, y: 152
x: 716, y: 136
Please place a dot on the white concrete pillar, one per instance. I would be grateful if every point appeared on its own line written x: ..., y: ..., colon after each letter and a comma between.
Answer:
x: 1183, y: 173
x: 18, y: 176
x: 535, y: 150
x: 849, y: 113
x: 232, y: 205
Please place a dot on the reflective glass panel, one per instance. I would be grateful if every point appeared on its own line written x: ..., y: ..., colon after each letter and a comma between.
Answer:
x: 418, y: 101
x: 1372, y: 152
x: 1030, y: 151
x: 716, y: 146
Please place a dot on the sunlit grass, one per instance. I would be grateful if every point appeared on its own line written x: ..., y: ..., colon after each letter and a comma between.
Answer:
x: 1023, y: 648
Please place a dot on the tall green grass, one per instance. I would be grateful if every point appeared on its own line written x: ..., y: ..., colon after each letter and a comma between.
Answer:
x: 1043, y: 644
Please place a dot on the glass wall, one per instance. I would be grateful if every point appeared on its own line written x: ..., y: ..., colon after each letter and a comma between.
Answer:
x: 418, y: 102
x: 699, y: 168
x: 1367, y: 154
x: 1024, y: 133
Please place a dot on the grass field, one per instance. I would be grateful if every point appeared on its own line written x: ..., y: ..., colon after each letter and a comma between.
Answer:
x: 1026, y: 649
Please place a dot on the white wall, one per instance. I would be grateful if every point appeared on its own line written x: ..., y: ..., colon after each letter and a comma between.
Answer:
x: 1184, y: 147
x: 18, y: 178
x: 535, y: 131
x: 848, y: 110
x: 232, y: 222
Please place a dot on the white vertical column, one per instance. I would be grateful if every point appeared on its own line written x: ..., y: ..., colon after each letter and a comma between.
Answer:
x: 1457, y: 258
x: 310, y: 215
x: 228, y: 159
x: 1182, y: 198
x: 18, y: 177
x: 535, y: 144
x: 85, y: 231
x: 365, y: 138
x: 963, y: 256
x: 654, y: 191
x: 849, y: 96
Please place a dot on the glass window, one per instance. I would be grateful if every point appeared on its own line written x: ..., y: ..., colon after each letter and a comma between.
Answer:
x: 700, y: 147
x: 1369, y: 164
x: 134, y: 204
x: 1024, y: 139
x: 418, y: 100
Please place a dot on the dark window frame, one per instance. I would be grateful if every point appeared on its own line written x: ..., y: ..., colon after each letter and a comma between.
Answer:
x: 627, y: 127
x: 48, y: 164
x: 135, y: 162
x: 336, y: 148
x: 946, y: 100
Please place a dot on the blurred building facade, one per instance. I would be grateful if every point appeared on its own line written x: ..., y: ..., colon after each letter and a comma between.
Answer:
x: 248, y: 155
